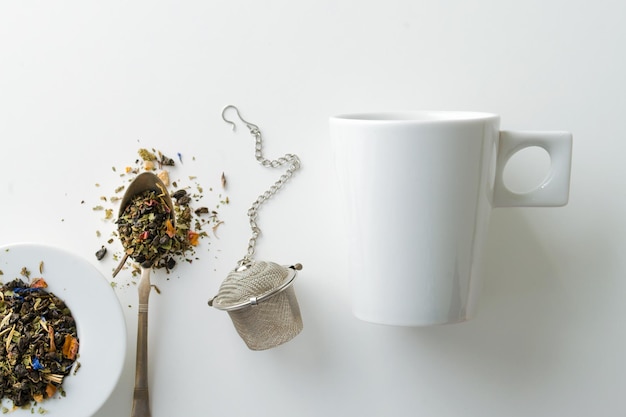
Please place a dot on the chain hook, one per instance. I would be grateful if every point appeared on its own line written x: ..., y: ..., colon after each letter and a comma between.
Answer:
x: 254, y: 129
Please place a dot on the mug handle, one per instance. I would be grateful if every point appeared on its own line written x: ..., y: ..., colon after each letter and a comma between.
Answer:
x: 554, y: 190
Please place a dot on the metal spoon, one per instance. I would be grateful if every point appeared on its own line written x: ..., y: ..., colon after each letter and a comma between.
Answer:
x: 141, y: 402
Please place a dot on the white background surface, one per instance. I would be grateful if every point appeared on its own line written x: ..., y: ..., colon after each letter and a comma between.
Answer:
x: 84, y: 84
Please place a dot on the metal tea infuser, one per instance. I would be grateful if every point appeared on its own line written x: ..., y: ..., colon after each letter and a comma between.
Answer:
x: 258, y: 295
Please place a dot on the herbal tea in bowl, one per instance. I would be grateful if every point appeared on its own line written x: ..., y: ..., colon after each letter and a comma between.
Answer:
x: 62, y: 333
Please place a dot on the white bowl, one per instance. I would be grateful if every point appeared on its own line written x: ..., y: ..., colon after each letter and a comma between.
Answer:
x: 99, y: 323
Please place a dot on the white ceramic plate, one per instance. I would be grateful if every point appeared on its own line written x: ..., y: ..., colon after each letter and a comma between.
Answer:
x: 99, y: 322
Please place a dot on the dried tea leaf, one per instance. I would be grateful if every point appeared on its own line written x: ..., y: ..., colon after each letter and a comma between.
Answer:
x: 164, y: 160
x: 100, y: 253
x: 146, y: 155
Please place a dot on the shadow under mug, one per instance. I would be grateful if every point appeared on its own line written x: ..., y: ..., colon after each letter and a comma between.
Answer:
x: 417, y: 189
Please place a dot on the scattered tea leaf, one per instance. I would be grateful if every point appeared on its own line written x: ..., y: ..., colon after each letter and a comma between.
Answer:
x: 100, y: 253
x: 146, y: 155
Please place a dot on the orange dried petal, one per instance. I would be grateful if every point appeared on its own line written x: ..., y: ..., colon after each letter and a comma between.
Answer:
x: 53, y: 347
x: 171, y: 230
x: 193, y: 237
x: 70, y: 347
x: 39, y: 283
x: 50, y: 390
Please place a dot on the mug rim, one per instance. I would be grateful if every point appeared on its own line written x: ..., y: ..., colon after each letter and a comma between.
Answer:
x: 418, y: 116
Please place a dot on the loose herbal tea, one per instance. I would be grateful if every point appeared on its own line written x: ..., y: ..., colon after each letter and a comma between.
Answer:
x: 39, y: 342
x: 191, y: 221
x: 148, y: 234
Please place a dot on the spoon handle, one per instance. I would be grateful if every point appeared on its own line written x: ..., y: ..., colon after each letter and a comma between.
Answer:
x: 141, y: 397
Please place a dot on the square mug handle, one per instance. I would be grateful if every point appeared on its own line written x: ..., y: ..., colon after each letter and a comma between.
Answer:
x: 554, y: 190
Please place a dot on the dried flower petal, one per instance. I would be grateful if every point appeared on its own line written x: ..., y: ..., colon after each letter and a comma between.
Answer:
x: 39, y: 283
x: 53, y: 347
x: 193, y: 238
x: 165, y: 177
x: 50, y: 390
x: 170, y: 229
x: 36, y: 364
x: 70, y: 347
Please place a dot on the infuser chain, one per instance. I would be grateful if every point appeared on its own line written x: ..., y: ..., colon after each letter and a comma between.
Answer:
x: 291, y: 159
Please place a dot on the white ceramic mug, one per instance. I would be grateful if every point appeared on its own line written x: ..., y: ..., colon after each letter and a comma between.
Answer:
x: 417, y: 191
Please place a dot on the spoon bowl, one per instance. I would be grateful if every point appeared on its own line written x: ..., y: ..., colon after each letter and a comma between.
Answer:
x: 143, y: 182
x: 146, y: 181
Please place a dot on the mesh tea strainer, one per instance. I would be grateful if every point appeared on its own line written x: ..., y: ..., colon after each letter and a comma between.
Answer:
x: 259, y: 296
